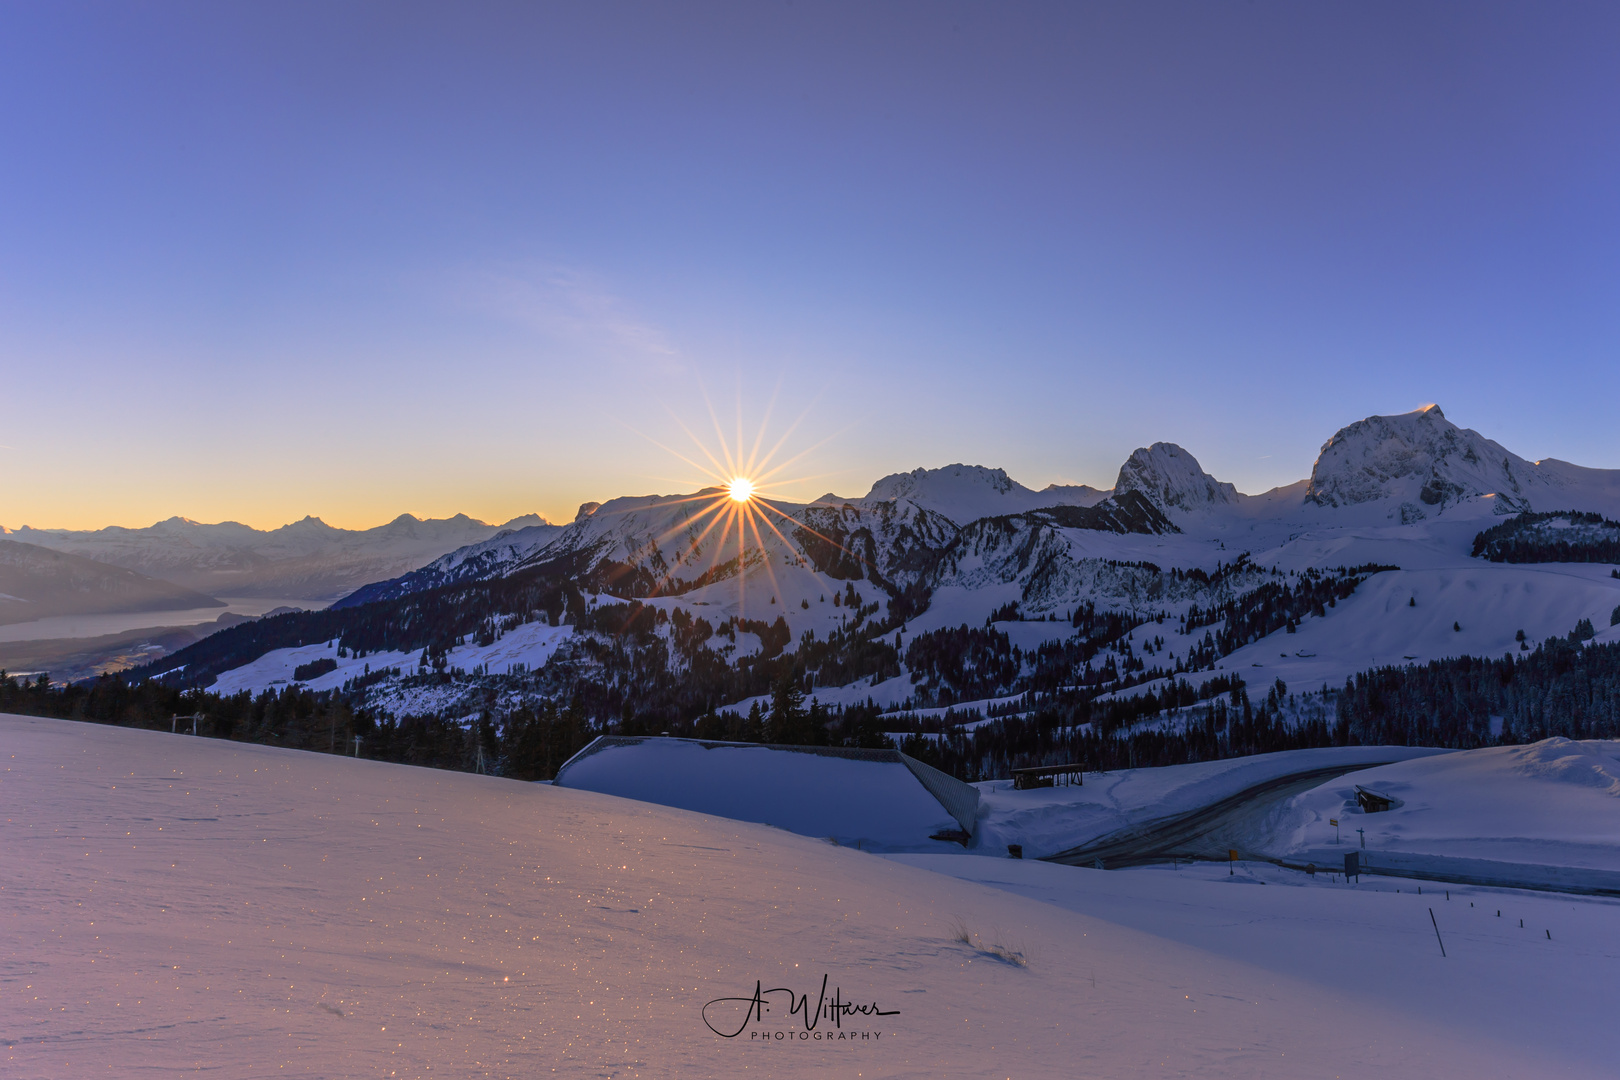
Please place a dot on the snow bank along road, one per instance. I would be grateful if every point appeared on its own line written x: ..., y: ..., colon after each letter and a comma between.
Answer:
x: 1194, y: 834
x: 170, y: 904
x: 1541, y: 816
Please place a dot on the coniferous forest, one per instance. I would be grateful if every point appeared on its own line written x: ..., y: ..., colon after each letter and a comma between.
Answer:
x: 1566, y: 686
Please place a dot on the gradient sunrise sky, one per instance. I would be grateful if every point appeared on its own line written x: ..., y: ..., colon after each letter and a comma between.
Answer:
x: 265, y: 260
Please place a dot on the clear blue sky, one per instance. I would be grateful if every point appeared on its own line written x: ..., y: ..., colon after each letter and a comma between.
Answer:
x: 262, y: 260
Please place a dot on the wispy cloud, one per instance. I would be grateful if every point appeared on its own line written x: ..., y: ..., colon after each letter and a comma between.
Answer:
x: 572, y: 306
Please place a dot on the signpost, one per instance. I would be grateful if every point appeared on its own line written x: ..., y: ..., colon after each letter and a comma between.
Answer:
x: 1333, y: 821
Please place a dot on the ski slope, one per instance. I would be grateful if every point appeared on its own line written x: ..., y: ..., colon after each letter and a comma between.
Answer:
x: 185, y: 905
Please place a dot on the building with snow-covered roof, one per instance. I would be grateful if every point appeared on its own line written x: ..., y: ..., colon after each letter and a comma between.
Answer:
x: 875, y: 799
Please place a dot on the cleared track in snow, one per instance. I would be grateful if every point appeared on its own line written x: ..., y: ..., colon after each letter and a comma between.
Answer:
x: 1198, y: 834
x: 1191, y: 834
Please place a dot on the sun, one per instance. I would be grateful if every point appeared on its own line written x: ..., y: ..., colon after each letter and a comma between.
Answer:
x: 735, y: 514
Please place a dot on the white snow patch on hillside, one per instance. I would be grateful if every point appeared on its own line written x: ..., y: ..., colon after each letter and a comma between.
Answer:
x: 177, y: 904
x: 965, y: 493
x: 275, y: 668
x: 530, y: 645
x: 1380, y: 625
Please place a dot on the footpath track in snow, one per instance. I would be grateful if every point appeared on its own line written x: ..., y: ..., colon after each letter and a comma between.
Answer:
x: 1191, y: 834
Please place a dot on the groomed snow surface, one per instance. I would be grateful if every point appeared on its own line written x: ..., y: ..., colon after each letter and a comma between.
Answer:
x: 175, y: 905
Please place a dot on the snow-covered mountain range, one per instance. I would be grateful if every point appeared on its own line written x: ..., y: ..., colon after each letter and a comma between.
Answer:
x: 961, y: 524
x: 1387, y: 519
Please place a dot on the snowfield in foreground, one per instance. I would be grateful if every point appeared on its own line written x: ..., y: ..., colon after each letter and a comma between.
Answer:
x: 175, y: 904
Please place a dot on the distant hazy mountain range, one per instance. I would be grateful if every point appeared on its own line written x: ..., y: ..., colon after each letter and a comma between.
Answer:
x: 307, y: 560
x: 36, y: 582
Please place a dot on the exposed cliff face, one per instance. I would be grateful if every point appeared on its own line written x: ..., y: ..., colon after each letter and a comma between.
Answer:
x: 1172, y: 480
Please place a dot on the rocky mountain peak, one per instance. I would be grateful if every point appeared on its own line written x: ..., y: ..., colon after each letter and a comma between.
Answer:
x: 1421, y: 460
x: 1171, y: 479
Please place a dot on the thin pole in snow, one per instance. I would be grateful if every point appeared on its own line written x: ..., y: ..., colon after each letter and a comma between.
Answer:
x: 1437, y: 932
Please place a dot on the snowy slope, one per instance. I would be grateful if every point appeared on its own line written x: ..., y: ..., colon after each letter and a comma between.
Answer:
x: 528, y: 646
x: 1466, y: 610
x: 1551, y: 803
x: 177, y: 905
x: 1547, y: 987
x: 498, y: 555
x: 965, y: 493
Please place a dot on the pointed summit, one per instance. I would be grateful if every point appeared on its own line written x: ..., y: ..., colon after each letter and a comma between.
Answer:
x: 1171, y: 479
